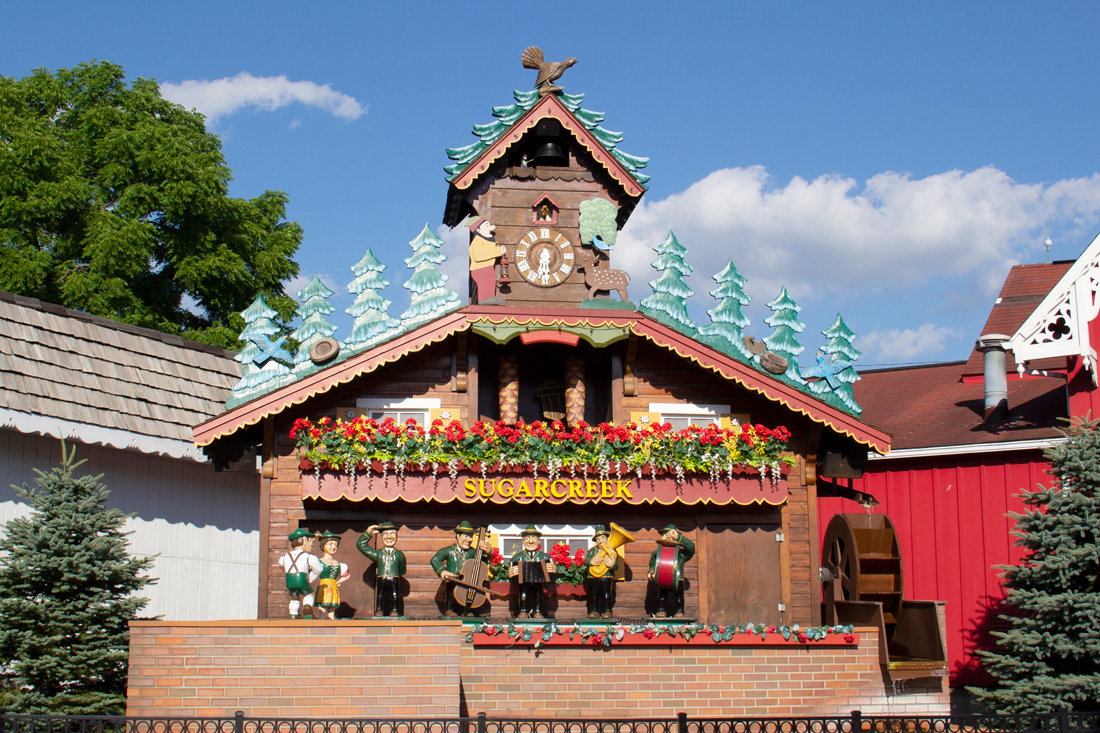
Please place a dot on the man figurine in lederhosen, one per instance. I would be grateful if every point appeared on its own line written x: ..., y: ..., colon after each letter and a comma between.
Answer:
x: 687, y: 551
x: 302, y: 570
x: 447, y: 563
x: 530, y: 593
x: 389, y: 566
x: 602, y: 560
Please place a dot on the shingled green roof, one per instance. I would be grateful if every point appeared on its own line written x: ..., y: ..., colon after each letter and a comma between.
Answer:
x: 508, y: 116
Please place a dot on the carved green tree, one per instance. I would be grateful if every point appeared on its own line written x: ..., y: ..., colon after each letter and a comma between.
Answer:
x: 1049, y: 657
x: 727, y: 320
x: 372, y: 322
x: 836, y: 370
x: 313, y: 309
x: 669, y: 290
x: 264, y: 360
x: 430, y: 299
x: 784, y: 339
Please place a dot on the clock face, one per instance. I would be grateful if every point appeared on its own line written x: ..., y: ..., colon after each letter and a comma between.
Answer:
x: 544, y: 257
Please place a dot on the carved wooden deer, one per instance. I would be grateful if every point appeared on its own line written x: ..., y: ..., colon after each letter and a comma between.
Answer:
x: 602, y: 279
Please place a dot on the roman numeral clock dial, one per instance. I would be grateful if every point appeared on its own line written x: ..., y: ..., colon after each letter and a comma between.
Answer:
x: 545, y: 257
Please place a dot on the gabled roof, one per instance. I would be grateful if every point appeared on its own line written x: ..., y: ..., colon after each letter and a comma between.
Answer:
x: 68, y: 373
x: 536, y: 318
x: 1024, y: 289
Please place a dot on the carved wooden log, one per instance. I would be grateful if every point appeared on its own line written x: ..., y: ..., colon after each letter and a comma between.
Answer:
x: 508, y: 379
x: 574, y: 391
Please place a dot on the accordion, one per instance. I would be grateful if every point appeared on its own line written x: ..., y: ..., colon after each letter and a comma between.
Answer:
x: 532, y: 572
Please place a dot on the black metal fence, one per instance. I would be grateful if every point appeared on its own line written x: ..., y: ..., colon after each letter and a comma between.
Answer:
x: 1060, y: 722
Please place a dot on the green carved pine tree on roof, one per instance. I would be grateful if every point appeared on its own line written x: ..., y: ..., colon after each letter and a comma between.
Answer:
x: 669, y: 290
x: 1050, y: 656
x: 836, y: 370
x: 313, y: 309
x: 727, y: 320
x: 372, y: 322
x: 264, y: 361
x: 67, y: 585
x: 430, y: 299
x: 784, y: 339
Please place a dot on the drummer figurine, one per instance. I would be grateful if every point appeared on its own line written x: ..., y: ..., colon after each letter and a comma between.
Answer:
x: 598, y: 566
x: 389, y: 566
x: 666, y: 570
x: 532, y: 568
x: 447, y: 563
x: 302, y: 570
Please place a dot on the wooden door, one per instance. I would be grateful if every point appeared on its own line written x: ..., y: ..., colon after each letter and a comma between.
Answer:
x: 742, y: 580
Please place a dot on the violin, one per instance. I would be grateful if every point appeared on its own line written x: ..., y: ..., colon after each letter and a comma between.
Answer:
x: 470, y: 590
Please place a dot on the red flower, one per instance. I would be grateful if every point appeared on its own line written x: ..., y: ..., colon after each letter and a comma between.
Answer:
x: 849, y: 638
x: 490, y: 630
x: 802, y: 638
x: 597, y: 639
x: 496, y: 558
x: 649, y: 633
x: 770, y: 629
x: 578, y: 559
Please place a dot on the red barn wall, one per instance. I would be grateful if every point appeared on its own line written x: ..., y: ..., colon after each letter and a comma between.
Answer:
x: 949, y: 513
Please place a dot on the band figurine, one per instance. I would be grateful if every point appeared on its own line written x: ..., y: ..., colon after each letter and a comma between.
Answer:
x: 447, y: 563
x: 666, y: 570
x: 333, y: 573
x: 532, y: 568
x: 302, y: 570
x: 389, y: 566
x: 599, y: 565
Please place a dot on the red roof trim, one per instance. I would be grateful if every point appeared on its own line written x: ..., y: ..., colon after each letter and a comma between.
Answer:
x: 549, y: 106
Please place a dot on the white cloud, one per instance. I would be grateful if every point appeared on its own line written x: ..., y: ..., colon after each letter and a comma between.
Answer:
x: 899, y: 347
x: 220, y: 97
x: 829, y: 235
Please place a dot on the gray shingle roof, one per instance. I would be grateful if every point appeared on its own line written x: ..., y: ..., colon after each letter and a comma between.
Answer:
x: 65, y: 364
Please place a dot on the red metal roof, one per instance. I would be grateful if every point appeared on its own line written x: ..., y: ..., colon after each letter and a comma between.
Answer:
x: 1023, y: 291
x: 930, y: 406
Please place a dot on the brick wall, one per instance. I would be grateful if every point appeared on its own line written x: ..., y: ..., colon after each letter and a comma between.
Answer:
x: 293, y: 668
x: 412, y: 669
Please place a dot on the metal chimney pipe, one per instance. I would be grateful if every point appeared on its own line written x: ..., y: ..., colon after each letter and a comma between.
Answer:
x: 992, y: 346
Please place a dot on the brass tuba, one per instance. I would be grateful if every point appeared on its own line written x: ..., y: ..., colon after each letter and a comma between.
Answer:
x: 619, y: 537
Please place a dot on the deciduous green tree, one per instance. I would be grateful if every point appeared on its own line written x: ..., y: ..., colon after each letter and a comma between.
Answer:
x: 115, y: 201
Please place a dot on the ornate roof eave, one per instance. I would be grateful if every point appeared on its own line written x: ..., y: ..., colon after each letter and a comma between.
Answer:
x: 1059, y: 326
x: 641, y: 325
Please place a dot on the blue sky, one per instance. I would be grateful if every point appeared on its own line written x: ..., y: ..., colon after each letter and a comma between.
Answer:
x: 889, y: 161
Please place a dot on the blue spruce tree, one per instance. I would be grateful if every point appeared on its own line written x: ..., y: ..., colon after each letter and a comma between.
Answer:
x: 313, y: 309
x: 669, y: 290
x: 263, y: 360
x: 835, y: 369
x: 727, y: 320
x: 783, y: 340
x: 372, y: 322
x: 430, y: 299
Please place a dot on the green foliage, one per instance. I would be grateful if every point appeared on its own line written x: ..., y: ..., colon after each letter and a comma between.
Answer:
x: 427, y: 285
x: 314, y: 327
x: 670, y: 290
x: 598, y: 218
x: 115, y: 201
x: 372, y: 323
x: 66, y: 597
x: 784, y: 339
x: 727, y: 320
x: 1050, y: 656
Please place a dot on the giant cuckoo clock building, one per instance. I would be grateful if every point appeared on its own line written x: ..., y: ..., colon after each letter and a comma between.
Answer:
x: 552, y: 401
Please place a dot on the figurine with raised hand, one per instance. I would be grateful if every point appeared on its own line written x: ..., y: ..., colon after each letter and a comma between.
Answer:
x: 302, y: 570
x: 389, y: 566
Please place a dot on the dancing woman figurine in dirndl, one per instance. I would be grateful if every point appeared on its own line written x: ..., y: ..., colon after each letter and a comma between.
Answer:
x: 333, y: 573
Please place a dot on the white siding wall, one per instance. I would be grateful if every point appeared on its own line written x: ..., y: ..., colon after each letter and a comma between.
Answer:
x: 204, y: 526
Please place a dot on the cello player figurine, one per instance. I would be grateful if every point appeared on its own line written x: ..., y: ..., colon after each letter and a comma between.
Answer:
x: 668, y: 576
x: 530, y: 591
x: 447, y: 562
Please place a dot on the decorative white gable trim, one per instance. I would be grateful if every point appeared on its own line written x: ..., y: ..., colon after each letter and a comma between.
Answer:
x: 1060, y: 325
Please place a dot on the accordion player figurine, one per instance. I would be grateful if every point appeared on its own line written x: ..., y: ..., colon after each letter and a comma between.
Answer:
x: 532, y: 568
x: 666, y: 570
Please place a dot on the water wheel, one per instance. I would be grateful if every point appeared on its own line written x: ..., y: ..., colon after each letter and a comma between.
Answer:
x: 863, y: 556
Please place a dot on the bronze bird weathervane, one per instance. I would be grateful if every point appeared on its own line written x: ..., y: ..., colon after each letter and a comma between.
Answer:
x: 548, y: 72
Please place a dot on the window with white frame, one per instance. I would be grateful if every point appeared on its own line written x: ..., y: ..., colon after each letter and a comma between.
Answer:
x: 399, y: 409
x: 510, y: 537
x: 681, y: 416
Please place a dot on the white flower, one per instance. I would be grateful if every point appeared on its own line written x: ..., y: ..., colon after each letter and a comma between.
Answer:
x: 644, y: 419
x: 446, y: 414
x: 350, y: 414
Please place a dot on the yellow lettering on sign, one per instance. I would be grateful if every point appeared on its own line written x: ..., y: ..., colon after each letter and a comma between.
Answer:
x: 607, y: 489
x: 540, y: 488
x: 471, y: 488
x: 492, y: 488
x: 545, y: 490
x: 522, y: 491
x: 564, y: 489
x: 576, y: 490
x: 592, y: 488
x: 511, y: 488
x: 623, y: 492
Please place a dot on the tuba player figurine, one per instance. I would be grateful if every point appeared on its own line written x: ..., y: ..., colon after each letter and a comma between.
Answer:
x: 389, y: 566
x: 598, y: 565
x: 302, y: 569
x: 666, y: 570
